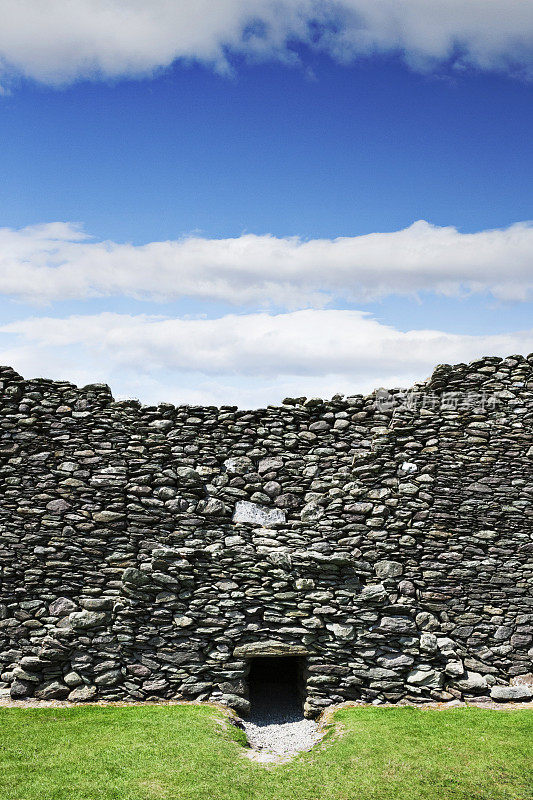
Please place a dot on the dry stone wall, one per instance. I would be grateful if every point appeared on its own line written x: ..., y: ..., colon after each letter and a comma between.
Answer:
x: 150, y: 552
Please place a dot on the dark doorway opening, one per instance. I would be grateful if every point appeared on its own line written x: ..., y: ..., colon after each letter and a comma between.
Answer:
x: 276, y: 687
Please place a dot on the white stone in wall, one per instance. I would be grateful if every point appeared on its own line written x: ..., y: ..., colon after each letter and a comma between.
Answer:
x: 257, y: 515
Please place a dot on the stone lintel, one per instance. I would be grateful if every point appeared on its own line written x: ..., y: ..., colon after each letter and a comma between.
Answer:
x: 269, y: 647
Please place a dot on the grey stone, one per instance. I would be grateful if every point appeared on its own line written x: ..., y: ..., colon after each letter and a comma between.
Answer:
x: 87, y: 619
x: 428, y: 643
x: 472, y: 682
x: 108, y: 516
x: 21, y: 689
x: 270, y: 465
x: 388, y: 569
x: 396, y: 660
x: 31, y: 663
x: 110, y: 678
x: 398, y: 624
x: 97, y: 603
x: 238, y: 466
x: 426, y: 676
x: 454, y: 668
x: 52, y: 690
x: 189, y: 477
x: 212, y: 507
x: 304, y: 584
x: 269, y: 647
x: 344, y: 632
x: 61, y: 607
x: 511, y: 693
x: 374, y: 593
x: 238, y: 703
x: 161, y: 424
x: 72, y: 679
x: 427, y: 621
x: 519, y: 680
x: 182, y: 621
x: 157, y: 686
x: 82, y: 694
x: 503, y: 632
x: 311, y: 512
x: 408, y: 468
x: 24, y: 675
x: 58, y: 506
x: 135, y: 577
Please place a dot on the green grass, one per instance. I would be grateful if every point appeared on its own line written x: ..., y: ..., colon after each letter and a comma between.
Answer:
x: 184, y: 752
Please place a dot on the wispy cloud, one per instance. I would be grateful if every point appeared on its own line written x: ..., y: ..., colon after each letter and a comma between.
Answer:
x: 250, y: 359
x: 59, y: 41
x: 54, y: 262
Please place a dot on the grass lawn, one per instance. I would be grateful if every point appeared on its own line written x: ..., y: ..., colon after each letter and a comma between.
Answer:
x: 175, y: 752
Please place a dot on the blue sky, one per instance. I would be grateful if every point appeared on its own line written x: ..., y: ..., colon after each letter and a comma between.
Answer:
x: 288, y: 186
x: 357, y: 148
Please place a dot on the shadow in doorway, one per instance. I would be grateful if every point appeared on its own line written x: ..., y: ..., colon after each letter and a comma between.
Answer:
x: 276, y: 690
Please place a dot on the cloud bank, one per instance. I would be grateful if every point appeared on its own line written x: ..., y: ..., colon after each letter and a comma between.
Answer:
x: 60, y: 41
x: 250, y: 359
x: 57, y: 261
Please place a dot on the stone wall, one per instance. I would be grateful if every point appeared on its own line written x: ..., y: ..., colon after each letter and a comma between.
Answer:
x: 150, y: 552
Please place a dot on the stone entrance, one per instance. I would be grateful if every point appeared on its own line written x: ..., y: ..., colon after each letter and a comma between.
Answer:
x: 276, y: 688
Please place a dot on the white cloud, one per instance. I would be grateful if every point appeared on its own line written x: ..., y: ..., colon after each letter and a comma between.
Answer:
x: 53, y: 262
x: 60, y: 41
x: 248, y: 359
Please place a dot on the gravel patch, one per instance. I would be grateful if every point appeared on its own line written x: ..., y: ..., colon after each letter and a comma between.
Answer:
x: 282, y: 738
x: 276, y: 725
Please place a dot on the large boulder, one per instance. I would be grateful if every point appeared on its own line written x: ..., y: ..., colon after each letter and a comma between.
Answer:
x: 510, y: 693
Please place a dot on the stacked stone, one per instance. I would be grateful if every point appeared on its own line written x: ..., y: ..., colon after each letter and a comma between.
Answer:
x: 150, y: 552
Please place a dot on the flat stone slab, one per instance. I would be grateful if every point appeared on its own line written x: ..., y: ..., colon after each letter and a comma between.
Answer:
x: 269, y: 648
x: 510, y: 693
x: 258, y: 515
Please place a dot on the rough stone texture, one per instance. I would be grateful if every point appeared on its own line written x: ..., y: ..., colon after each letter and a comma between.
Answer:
x: 257, y: 515
x: 513, y: 693
x: 394, y: 550
x: 269, y: 648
